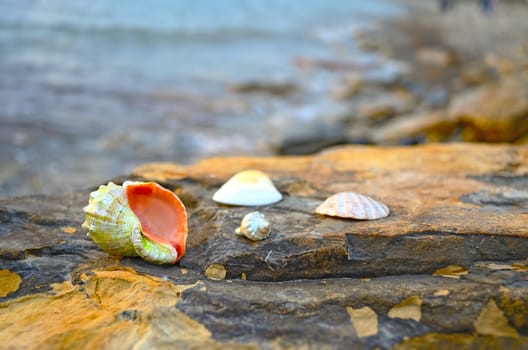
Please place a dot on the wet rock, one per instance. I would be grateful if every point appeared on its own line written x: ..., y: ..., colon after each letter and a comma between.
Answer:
x: 475, y: 74
x: 348, y: 87
x: 307, y: 138
x: 329, y: 64
x: 315, y: 282
x: 435, y: 56
x: 358, y: 133
x: 383, y: 106
x: 419, y: 127
x: 370, y: 41
x: 502, y: 65
x: 496, y: 112
x: 277, y: 88
x: 308, y: 129
x: 435, y: 98
x: 386, y: 73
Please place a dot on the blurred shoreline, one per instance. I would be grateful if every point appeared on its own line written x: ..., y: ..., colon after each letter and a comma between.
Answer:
x: 388, y: 79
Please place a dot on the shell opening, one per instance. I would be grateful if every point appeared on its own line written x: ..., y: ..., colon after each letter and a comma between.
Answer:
x: 160, y: 212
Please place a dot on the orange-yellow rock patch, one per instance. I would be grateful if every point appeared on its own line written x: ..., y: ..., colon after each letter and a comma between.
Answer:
x: 461, y: 341
x: 491, y: 321
x: 364, y: 320
x: 451, y: 271
x: 409, y: 308
x: 69, y: 229
x: 9, y: 282
x: 110, y: 309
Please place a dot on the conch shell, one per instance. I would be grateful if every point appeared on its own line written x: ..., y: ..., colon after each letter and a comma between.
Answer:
x: 254, y: 226
x: 248, y: 188
x: 353, y: 205
x: 137, y: 219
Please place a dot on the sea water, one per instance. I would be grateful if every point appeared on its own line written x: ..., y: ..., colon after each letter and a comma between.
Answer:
x: 77, y: 78
x: 117, y: 43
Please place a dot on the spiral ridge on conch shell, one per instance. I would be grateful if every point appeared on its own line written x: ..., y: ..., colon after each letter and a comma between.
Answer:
x: 354, y: 206
x: 109, y: 220
x: 254, y: 226
x: 137, y: 219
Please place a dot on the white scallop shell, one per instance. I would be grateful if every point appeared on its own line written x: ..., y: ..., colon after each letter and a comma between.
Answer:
x: 254, y: 226
x: 353, y: 205
x: 248, y: 188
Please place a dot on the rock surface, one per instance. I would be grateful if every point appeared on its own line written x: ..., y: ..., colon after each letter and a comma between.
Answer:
x: 447, y: 268
x: 492, y: 112
x: 496, y: 112
x: 414, y: 128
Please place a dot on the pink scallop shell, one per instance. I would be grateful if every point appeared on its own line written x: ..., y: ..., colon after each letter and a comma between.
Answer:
x: 354, y: 206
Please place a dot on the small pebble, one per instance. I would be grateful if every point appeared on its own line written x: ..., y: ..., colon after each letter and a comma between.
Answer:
x: 216, y: 272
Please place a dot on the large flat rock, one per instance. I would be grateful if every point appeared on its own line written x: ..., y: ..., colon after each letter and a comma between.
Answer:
x: 449, y: 205
x: 447, y: 267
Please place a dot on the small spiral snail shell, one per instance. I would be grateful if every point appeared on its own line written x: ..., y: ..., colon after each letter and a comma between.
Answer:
x: 254, y: 226
x: 137, y: 219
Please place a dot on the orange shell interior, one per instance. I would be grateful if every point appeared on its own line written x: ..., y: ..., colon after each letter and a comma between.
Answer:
x: 161, y: 213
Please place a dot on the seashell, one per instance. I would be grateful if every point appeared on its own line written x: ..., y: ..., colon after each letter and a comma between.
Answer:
x: 353, y: 205
x: 137, y: 219
x: 248, y: 188
x: 254, y: 226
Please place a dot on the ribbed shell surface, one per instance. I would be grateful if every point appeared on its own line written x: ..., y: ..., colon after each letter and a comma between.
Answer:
x: 354, y: 206
x: 110, y: 221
